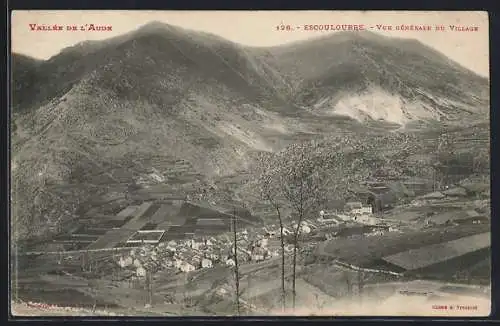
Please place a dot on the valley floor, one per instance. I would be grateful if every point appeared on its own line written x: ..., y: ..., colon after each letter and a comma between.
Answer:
x: 339, y: 272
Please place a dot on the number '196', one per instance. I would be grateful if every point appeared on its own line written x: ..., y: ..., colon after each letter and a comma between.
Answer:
x: 283, y: 27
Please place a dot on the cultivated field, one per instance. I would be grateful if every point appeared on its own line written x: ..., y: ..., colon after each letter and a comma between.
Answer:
x: 362, y: 251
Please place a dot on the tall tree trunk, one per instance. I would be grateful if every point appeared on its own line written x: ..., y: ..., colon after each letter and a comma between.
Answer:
x: 282, y: 243
x: 294, y: 268
x: 147, y: 287
x: 150, y: 287
x: 296, y: 241
x: 236, y: 267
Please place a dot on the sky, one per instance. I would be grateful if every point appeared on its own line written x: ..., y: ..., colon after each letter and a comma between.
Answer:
x: 258, y: 28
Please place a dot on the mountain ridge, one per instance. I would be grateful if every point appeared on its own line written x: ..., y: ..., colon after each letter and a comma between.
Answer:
x: 296, y: 84
x: 100, y: 115
x: 325, y: 68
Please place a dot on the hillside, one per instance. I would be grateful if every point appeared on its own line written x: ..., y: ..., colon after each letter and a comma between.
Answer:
x: 102, y: 116
x: 105, y: 114
x: 25, y: 76
x: 368, y: 76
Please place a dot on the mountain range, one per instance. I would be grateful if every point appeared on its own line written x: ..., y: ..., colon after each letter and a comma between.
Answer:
x: 102, y: 114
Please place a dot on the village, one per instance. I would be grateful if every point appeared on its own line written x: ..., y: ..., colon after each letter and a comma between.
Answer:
x: 164, y: 252
x: 254, y: 245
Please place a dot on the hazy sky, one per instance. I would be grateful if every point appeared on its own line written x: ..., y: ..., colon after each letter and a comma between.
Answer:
x: 257, y: 28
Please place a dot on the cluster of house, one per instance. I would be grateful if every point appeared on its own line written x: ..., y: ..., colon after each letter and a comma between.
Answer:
x: 191, y: 254
x: 188, y: 255
x: 176, y: 254
x: 254, y: 245
x: 273, y: 231
x: 353, y: 211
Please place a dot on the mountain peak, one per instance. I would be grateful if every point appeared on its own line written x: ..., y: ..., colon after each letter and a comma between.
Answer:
x: 155, y: 26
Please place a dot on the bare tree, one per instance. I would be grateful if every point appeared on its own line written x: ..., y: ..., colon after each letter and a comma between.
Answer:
x: 269, y: 191
x: 149, y: 286
x: 307, y: 174
x: 301, y: 182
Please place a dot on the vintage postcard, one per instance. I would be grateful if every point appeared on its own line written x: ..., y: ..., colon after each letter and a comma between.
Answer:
x: 251, y: 163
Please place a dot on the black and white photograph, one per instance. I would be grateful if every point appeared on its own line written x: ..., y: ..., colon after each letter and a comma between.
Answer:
x: 250, y: 163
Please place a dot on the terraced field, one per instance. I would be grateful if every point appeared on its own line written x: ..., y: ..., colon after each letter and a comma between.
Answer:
x: 361, y: 251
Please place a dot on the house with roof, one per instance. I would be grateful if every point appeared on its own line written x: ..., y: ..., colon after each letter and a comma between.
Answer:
x: 186, y: 267
x: 367, y: 220
x: 125, y: 261
x: 140, y: 272
x: 213, y: 256
x: 195, y: 244
x: 357, y: 208
x: 206, y: 263
x: 382, y: 196
x: 168, y: 263
x: 258, y: 254
x: 178, y: 262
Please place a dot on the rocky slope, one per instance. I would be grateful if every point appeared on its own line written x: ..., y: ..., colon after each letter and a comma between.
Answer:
x: 368, y: 76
